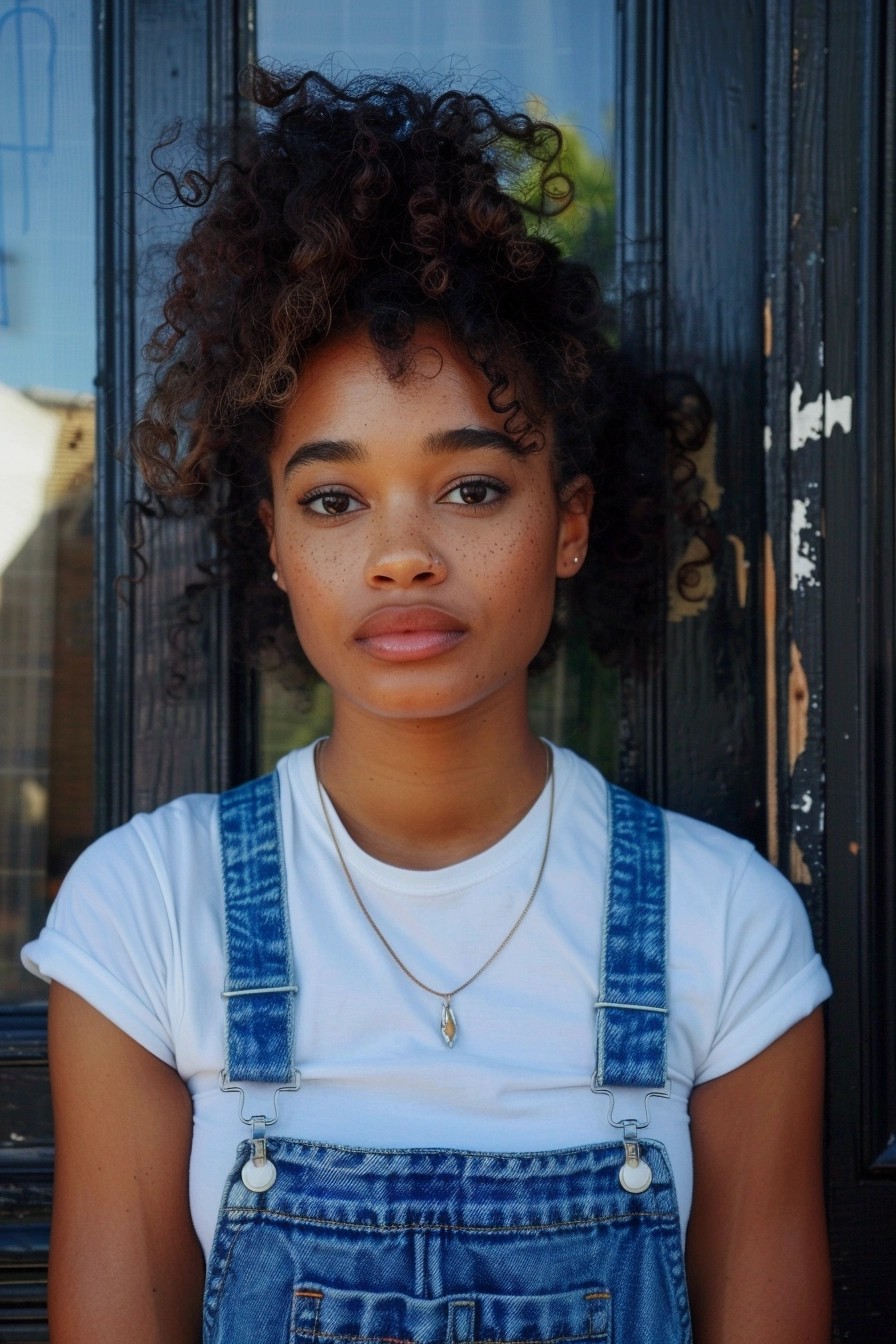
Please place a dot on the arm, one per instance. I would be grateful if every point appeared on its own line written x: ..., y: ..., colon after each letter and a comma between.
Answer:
x: 125, y: 1262
x: 757, y: 1254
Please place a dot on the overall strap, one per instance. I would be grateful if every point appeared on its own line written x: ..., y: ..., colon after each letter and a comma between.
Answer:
x: 260, y: 987
x: 631, y: 1008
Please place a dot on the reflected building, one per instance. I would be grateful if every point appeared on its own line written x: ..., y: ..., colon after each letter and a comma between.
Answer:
x: 46, y: 658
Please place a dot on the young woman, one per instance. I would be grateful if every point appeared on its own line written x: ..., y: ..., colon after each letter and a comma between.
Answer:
x: 432, y: 1035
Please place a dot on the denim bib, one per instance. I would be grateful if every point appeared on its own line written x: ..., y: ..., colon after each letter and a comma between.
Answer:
x: 439, y: 1246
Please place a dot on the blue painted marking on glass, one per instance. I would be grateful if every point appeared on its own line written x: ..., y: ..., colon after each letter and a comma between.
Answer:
x: 19, y: 23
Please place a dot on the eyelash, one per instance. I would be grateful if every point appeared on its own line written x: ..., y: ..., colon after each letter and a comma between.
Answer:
x: 489, y: 482
x: 326, y: 492
x: 330, y: 492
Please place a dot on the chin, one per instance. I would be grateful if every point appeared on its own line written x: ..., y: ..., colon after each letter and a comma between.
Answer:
x: 430, y: 702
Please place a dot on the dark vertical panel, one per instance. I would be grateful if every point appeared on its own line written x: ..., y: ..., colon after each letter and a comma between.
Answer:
x: 802, y: 553
x: 114, y: 61
x: 877, y: 346
x: 775, y: 568
x: 774, y: 263
x: 155, y: 60
x: 713, y: 322
x: 829, y: 579
x: 26, y: 1164
x: 160, y: 60
x: 641, y: 195
x: 793, y: 574
x: 860, y: 680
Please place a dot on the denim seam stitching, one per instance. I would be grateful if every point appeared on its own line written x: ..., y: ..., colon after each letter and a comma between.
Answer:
x: 214, y: 1299
x: 380, y: 1339
x: 244, y: 1215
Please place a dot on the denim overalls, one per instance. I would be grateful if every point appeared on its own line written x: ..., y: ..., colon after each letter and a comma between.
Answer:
x: 439, y: 1246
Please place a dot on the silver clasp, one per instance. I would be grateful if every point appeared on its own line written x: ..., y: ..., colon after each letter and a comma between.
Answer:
x: 259, y: 1172
x: 635, y: 1175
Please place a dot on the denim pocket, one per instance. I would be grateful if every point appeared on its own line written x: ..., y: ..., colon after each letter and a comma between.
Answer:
x: 355, y: 1317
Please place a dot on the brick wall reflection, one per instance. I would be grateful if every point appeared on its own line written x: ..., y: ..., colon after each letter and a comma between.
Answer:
x: 46, y: 659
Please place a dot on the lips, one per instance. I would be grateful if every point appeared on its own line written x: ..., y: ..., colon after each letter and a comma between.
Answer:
x: 404, y: 634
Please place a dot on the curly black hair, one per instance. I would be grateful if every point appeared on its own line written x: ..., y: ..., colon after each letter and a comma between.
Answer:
x: 386, y: 203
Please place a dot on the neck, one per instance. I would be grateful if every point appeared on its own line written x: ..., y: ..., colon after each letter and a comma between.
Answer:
x: 426, y: 794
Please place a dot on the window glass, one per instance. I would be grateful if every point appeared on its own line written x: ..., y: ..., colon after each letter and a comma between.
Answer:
x: 557, y: 56
x: 47, y: 370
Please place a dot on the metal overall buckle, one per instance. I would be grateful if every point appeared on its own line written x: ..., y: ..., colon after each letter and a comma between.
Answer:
x: 635, y: 1175
x: 259, y: 1172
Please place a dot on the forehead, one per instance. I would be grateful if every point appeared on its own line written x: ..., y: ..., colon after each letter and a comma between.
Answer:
x: 347, y: 387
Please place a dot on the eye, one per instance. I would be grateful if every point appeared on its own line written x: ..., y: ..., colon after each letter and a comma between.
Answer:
x: 479, y: 490
x: 330, y: 503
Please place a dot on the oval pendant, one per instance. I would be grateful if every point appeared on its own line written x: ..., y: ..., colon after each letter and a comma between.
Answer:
x: 449, y: 1024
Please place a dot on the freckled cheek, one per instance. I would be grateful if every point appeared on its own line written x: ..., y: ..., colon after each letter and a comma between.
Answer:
x: 523, y: 560
x: 315, y: 583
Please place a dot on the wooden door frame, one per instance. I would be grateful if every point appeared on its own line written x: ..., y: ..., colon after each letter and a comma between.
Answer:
x: 812, y: 459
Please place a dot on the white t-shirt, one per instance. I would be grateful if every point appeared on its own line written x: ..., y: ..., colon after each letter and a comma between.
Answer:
x: 138, y: 931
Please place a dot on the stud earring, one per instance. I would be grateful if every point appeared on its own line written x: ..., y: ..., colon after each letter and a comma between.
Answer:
x: 275, y: 576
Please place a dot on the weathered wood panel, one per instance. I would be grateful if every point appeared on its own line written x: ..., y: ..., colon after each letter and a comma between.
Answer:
x: 159, y: 62
x: 156, y: 60
x: 860, y: 678
x: 712, y: 328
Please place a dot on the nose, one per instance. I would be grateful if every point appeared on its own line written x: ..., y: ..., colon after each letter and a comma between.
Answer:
x: 403, y: 560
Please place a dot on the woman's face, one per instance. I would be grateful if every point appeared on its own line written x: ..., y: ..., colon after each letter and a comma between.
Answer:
x: 419, y: 551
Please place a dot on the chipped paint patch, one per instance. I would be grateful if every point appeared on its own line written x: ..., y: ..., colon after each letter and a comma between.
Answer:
x: 768, y: 328
x: 799, y: 872
x: 837, y: 411
x: 741, y: 569
x: 803, y: 559
x: 806, y: 421
x: 769, y: 613
x: 809, y: 420
x: 797, y: 714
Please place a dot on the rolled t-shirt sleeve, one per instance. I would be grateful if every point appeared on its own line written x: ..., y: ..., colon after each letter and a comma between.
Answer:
x: 773, y: 975
x: 109, y: 938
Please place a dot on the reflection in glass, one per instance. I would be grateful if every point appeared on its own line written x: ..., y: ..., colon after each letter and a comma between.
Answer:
x: 47, y: 368
x: 557, y: 58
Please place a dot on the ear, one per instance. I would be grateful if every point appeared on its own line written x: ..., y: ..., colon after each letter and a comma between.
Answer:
x: 266, y: 518
x: 576, y: 501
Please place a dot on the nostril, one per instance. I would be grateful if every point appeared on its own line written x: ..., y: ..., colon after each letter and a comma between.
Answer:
x: 406, y: 569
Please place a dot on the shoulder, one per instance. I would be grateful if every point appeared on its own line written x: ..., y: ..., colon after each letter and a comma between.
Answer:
x: 699, y: 850
x: 159, y: 855
x: 722, y: 882
x: 129, y: 906
x: 152, y: 848
x: 742, y: 954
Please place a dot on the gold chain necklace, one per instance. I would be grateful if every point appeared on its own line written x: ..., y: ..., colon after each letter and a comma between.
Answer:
x: 448, y: 1024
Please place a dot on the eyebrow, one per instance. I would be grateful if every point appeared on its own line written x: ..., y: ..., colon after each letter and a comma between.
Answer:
x: 471, y: 436
x: 441, y: 441
x: 324, y: 450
